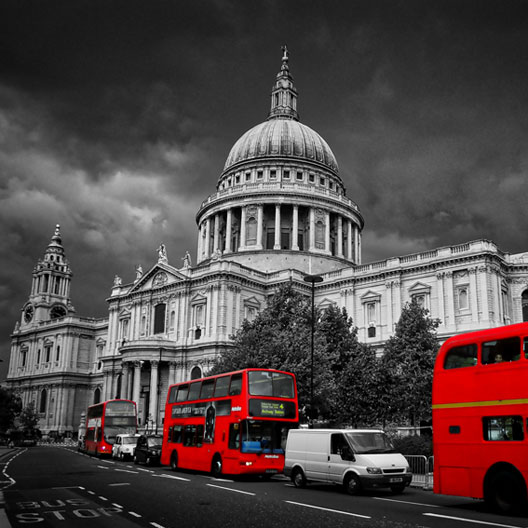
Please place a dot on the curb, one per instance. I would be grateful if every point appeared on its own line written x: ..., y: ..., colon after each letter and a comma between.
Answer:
x: 4, y: 521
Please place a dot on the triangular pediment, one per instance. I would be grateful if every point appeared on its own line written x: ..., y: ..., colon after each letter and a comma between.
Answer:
x: 370, y: 296
x: 419, y: 287
x: 253, y: 301
x: 158, y: 276
x: 325, y: 303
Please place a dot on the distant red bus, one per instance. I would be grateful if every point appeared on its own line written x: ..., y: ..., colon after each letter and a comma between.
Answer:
x: 104, y: 421
x: 480, y: 416
x: 233, y: 423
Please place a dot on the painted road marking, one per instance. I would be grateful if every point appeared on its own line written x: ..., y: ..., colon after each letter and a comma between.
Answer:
x: 328, y: 509
x: 408, y: 502
x: 127, y: 471
x: 231, y: 489
x: 135, y: 514
x: 164, y: 475
x: 462, y: 519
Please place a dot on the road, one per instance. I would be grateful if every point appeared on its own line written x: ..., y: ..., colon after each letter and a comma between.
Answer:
x: 59, y: 487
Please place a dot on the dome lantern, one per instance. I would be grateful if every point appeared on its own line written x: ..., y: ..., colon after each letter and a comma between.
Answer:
x: 283, y: 93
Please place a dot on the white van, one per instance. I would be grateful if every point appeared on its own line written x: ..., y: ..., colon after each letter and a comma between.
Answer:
x: 356, y: 458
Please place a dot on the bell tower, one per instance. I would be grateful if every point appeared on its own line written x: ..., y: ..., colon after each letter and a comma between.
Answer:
x: 50, y: 288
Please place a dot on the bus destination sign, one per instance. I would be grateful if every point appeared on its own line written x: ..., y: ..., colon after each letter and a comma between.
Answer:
x: 271, y: 408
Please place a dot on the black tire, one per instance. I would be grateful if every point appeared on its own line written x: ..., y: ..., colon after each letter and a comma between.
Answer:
x: 148, y: 461
x: 174, y: 461
x: 216, y: 466
x: 397, y: 488
x: 122, y: 456
x: 298, y: 478
x: 506, y: 492
x: 352, y: 484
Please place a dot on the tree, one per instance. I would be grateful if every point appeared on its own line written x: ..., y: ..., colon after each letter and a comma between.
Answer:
x: 10, y: 406
x: 29, y: 419
x: 280, y: 337
x: 407, y: 366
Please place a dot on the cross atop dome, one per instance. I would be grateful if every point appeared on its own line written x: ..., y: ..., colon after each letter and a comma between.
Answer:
x: 283, y: 93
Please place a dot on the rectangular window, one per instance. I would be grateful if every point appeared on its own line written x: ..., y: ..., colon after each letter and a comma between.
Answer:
x: 322, y: 181
x: 525, y: 347
x: 234, y: 436
x: 207, y: 389
x: 286, y: 174
x: 502, y: 428
x: 236, y: 385
x: 175, y: 434
x: 299, y: 176
x: 312, y: 178
x: 260, y: 175
x: 159, y: 318
x: 501, y: 350
x: 222, y: 386
x: 273, y: 174
x: 48, y: 353
x: 194, y: 391
x: 461, y: 356
x: 248, y: 176
x: 182, y: 392
x: 193, y: 435
x: 270, y: 384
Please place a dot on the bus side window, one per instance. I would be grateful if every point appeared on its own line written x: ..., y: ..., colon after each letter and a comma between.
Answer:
x: 461, y: 356
x: 175, y: 434
x: 236, y: 385
x: 172, y: 394
x: 222, y: 387
x: 234, y: 436
x: 501, y: 350
x: 182, y: 392
x: 500, y: 428
x: 525, y: 347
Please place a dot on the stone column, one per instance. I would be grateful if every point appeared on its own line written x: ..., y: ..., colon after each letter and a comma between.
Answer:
x: 137, y: 381
x: 260, y: 222
x: 312, y: 230
x: 229, y: 227
x: 277, y: 244
x: 388, y: 285
x: 441, y: 307
x: 124, y: 381
x: 356, y: 244
x: 482, y: 279
x: 243, y: 228
x: 207, y: 238
x: 172, y: 373
x: 450, y: 308
x: 216, y: 234
x: 340, y: 236
x: 153, y: 404
x: 473, y: 294
x: 350, y: 238
x: 295, y: 228
x: 327, y: 232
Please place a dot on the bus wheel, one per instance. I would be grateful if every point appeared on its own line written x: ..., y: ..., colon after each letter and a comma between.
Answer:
x: 216, y: 466
x: 351, y: 484
x: 505, y: 492
x: 298, y: 478
x: 174, y: 461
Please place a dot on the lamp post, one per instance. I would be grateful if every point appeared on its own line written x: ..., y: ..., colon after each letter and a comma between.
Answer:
x: 312, y: 279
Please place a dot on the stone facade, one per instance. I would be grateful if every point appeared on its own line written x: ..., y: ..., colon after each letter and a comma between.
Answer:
x: 279, y: 212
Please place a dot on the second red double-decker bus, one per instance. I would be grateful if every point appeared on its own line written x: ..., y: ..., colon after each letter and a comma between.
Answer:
x: 480, y: 416
x: 231, y: 423
x: 105, y: 420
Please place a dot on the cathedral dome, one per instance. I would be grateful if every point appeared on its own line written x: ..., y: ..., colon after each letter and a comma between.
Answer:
x: 284, y: 137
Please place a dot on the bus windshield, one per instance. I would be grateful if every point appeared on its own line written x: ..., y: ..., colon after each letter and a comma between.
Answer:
x: 369, y: 442
x: 277, y: 384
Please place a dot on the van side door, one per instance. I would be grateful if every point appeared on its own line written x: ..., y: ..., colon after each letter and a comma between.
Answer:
x: 340, y: 458
x: 317, y: 449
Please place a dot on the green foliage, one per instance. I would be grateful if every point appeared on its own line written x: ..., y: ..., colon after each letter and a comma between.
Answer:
x: 10, y: 406
x: 414, y: 445
x: 407, y: 367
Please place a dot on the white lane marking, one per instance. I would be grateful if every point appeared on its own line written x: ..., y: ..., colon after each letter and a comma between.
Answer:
x: 102, y: 467
x: 117, y: 505
x: 146, y: 470
x: 127, y: 471
x: 120, y: 484
x: 135, y: 514
x: 102, y: 498
x: 462, y: 519
x: 68, y: 487
x: 91, y: 492
x: 157, y: 525
x: 328, y: 509
x: 164, y: 475
x: 231, y: 489
x: 408, y: 502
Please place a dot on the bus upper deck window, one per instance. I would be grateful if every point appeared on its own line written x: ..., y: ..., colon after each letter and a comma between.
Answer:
x: 236, y: 385
x: 525, y: 347
x: 461, y: 356
x: 222, y: 386
x: 194, y: 390
x: 182, y: 392
x: 501, y: 350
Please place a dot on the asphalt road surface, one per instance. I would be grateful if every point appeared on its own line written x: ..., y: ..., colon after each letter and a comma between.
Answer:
x: 59, y: 487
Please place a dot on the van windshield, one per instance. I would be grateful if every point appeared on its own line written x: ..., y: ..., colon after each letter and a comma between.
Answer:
x: 370, y: 442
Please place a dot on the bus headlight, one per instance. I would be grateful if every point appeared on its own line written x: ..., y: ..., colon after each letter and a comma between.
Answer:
x: 374, y: 470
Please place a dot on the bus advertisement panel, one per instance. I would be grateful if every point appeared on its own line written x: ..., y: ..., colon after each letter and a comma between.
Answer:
x: 104, y: 421
x: 232, y: 423
x: 480, y: 416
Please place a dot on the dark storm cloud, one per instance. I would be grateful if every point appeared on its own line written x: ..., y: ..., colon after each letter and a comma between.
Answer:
x: 116, y: 118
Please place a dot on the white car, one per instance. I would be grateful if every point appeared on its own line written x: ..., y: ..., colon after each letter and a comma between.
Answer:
x: 124, y: 446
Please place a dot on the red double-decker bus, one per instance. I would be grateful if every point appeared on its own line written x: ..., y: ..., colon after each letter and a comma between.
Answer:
x: 480, y: 416
x: 104, y: 421
x: 231, y: 423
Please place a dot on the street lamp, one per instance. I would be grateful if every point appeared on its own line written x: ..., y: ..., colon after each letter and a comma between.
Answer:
x: 312, y: 279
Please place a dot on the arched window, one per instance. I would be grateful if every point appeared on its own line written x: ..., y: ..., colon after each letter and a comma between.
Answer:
x: 143, y: 325
x: 97, y: 396
x: 251, y: 232
x: 57, y: 355
x: 43, y: 401
x: 172, y: 319
x: 319, y: 235
x: 525, y: 305
x: 196, y: 373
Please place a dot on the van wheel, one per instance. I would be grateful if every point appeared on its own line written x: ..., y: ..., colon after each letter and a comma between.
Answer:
x: 298, y: 478
x: 351, y: 484
x: 505, y: 492
x: 398, y: 488
x: 174, y: 461
x: 216, y: 466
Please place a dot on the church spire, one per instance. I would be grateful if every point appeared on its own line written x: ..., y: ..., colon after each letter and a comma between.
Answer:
x: 283, y: 93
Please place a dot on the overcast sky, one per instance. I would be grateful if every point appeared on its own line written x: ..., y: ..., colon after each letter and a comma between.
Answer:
x: 116, y: 118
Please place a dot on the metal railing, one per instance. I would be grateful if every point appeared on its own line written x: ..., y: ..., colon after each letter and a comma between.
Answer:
x: 422, y: 470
